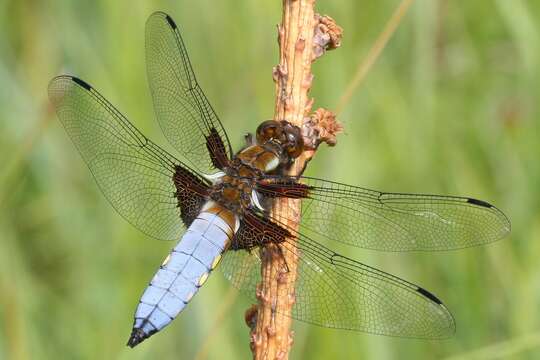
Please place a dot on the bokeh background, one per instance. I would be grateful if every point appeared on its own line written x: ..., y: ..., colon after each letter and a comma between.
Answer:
x: 450, y: 107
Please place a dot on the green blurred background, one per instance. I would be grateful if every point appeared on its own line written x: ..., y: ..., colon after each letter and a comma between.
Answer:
x: 451, y: 107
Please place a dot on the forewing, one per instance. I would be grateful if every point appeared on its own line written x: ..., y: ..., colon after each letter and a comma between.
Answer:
x: 389, y: 221
x: 183, y: 111
x: 337, y: 292
x: 147, y: 186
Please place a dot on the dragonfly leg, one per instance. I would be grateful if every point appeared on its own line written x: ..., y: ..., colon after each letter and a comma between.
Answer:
x: 284, y: 267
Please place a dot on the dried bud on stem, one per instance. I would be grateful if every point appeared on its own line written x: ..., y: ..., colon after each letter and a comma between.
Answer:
x: 327, y: 35
x: 321, y: 126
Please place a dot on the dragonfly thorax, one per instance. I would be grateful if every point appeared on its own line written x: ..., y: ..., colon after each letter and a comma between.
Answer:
x: 236, y: 188
x: 234, y: 192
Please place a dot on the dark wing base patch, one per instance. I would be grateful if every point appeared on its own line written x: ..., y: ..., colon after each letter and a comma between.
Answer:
x: 216, y: 149
x: 191, y: 193
x: 257, y: 231
x: 283, y: 188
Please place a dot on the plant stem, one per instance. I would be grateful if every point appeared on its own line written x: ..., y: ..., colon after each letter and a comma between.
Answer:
x: 303, y: 36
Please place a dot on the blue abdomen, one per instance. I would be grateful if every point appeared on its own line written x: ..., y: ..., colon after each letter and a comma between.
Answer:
x: 181, y: 275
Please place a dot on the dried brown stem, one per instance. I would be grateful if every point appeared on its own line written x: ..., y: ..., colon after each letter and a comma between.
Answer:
x: 303, y: 36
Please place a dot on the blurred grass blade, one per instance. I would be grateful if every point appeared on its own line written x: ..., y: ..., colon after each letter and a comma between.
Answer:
x: 502, y: 350
x: 374, y: 53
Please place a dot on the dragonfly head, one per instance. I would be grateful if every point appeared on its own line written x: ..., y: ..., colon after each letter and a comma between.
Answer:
x: 287, y: 136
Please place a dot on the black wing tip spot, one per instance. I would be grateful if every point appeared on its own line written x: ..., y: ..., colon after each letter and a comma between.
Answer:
x: 81, y: 83
x: 429, y: 295
x: 170, y: 21
x: 479, y: 202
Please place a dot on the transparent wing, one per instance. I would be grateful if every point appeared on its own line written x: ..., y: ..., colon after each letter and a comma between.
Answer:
x: 147, y: 186
x: 243, y: 269
x: 337, y: 292
x: 183, y: 111
x: 389, y: 221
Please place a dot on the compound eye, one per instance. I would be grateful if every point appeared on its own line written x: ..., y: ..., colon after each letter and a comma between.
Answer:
x: 296, y: 146
x: 268, y: 130
x: 291, y: 138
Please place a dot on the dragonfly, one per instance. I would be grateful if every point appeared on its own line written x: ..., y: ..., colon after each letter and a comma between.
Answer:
x: 215, y: 204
